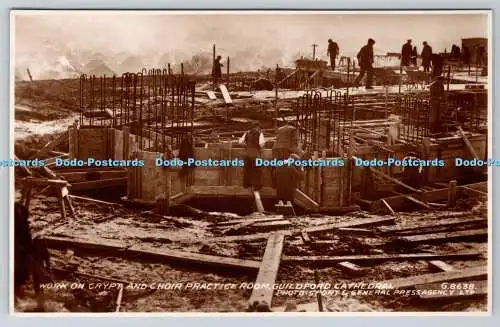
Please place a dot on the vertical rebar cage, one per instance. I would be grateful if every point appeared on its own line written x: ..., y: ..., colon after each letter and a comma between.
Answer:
x: 469, y: 109
x: 158, y: 107
x: 323, y: 121
x: 414, y: 110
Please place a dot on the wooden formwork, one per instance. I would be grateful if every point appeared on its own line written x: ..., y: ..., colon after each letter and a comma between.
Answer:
x: 149, y: 183
x: 323, y: 187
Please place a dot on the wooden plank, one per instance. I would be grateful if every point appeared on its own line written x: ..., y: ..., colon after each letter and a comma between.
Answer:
x: 239, y: 221
x: 478, y: 192
x: 388, y: 207
x: 180, y: 198
x: 226, y: 191
x: 445, y: 237
x: 225, y: 94
x: 87, y: 169
x: 84, y: 198
x: 42, y: 181
x: 102, y: 183
x: 356, y: 231
x: 440, y: 224
x: 269, y: 226
x: 365, y: 222
x: 398, y: 201
x: 351, y: 268
x: 467, y: 274
x: 305, y: 201
x: 468, y: 144
x: 81, y: 176
x: 211, y: 95
x: 230, y: 230
x: 305, y: 237
x: 59, y: 153
x: 311, y: 230
x: 287, y: 77
x: 268, y: 271
x: 395, y: 181
x: 258, y: 201
x: 374, y: 258
x: 438, y: 265
x: 412, y: 199
x: 48, y: 172
x: 121, y: 249
x: 25, y: 169
x: 52, y: 161
x: 238, y: 191
x: 50, y: 146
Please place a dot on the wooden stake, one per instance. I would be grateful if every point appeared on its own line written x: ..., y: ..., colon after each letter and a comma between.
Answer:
x: 258, y: 201
x: 61, y: 203
x: 388, y: 207
x: 452, y: 193
x: 318, y: 295
x: 119, y: 298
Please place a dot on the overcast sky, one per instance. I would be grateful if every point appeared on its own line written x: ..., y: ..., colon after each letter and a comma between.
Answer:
x: 265, y: 35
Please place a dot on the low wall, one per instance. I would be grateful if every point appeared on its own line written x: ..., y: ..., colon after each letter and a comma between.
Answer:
x: 102, y: 143
x: 327, y: 186
x: 149, y: 183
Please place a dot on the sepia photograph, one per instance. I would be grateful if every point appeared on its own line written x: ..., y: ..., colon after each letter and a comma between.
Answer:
x: 250, y: 162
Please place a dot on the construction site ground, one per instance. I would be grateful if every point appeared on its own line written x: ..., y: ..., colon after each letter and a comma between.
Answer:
x: 44, y: 109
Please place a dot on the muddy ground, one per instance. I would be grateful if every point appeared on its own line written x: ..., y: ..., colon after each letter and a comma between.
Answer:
x: 51, y: 105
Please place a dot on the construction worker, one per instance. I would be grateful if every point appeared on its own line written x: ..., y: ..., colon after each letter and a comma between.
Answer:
x: 333, y: 51
x: 186, y: 152
x: 455, y: 52
x: 466, y: 55
x: 414, y: 56
x: 287, y: 179
x: 254, y: 141
x: 365, y: 61
x: 426, y: 56
x: 437, y: 65
x: 406, y: 51
x: 412, y: 174
x: 217, y: 70
x: 437, y: 97
x: 286, y: 143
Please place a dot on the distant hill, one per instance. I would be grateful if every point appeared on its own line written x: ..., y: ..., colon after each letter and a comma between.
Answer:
x: 98, y: 67
x: 132, y: 64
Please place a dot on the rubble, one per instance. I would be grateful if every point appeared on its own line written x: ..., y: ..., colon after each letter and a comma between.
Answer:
x: 137, y: 228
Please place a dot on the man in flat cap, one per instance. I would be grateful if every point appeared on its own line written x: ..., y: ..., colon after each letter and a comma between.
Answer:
x: 406, y: 52
x: 365, y: 61
x: 333, y: 51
